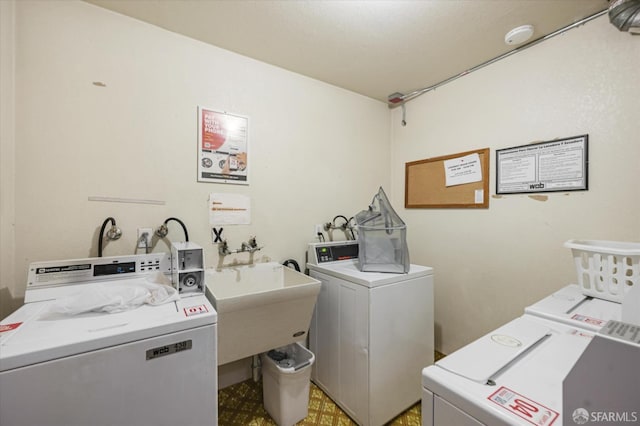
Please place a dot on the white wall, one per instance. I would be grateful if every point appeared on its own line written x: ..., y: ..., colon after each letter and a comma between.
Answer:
x: 490, y: 264
x: 316, y: 151
x: 7, y: 156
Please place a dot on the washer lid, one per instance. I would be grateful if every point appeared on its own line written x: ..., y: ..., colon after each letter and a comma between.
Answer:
x: 482, y: 359
x: 570, y: 306
x: 534, y: 378
x: 30, y: 335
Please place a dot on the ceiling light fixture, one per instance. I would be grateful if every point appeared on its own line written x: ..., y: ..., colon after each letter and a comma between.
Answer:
x: 519, y: 35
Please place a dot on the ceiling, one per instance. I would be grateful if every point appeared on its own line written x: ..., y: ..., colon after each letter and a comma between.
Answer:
x: 374, y: 47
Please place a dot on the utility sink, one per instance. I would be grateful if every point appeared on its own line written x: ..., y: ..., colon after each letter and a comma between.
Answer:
x: 260, y: 307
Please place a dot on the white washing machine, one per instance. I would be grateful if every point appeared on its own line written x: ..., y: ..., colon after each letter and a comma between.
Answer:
x: 511, y: 376
x: 371, y: 333
x: 571, y: 306
x: 153, y: 365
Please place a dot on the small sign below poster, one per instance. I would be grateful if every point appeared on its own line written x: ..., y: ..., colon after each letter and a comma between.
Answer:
x: 223, y: 147
x: 229, y: 209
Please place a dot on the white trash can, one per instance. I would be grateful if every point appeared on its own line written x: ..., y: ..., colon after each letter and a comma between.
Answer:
x: 286, y: 374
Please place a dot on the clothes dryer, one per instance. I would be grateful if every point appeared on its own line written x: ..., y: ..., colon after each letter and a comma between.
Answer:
x: 371, y: 333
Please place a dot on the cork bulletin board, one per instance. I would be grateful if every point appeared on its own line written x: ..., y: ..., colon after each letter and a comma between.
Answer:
x: 426, y: 183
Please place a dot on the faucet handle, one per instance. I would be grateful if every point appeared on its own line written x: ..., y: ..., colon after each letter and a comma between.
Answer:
x: 223, y: 248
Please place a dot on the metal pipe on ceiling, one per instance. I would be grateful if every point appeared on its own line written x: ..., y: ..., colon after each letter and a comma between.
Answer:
x: 397, y: 99
x: 625, y: 15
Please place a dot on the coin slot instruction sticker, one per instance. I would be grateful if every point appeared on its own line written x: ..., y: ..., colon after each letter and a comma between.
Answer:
x: 523, y: 407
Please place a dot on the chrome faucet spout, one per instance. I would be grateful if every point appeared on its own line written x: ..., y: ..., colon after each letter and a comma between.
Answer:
x: 251, y: 246
x: 247, y: 246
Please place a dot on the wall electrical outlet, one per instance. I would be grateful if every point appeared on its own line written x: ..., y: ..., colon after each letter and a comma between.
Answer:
x: 318, y: 230
x: 148, y: 233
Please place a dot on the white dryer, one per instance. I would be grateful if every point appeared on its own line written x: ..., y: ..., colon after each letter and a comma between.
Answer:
x: 153, y: 365
x: 371, y: 333
x: 571, y: 306
x: 511, y: 376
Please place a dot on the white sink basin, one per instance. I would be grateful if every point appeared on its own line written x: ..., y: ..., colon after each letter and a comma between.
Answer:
x: 260, y: 307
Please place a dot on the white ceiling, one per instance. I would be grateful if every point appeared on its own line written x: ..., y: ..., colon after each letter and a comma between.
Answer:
x: 373, y: 47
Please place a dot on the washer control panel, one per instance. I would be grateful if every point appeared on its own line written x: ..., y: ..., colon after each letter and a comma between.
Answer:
x: 61, y: 272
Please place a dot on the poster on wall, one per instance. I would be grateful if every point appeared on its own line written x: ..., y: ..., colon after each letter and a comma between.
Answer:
x: 223, y: 147
x: 558, y: 165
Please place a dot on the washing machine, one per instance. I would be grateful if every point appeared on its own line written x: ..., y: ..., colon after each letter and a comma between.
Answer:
x: 152, y: 365
x: 571, y: 306
x: 511, y: 376
x: 371, y: 333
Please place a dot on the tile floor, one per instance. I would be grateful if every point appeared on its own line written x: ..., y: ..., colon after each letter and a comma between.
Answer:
x: 241, y: 404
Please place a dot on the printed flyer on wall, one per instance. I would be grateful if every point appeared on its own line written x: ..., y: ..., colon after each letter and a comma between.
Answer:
x: 223, y: 147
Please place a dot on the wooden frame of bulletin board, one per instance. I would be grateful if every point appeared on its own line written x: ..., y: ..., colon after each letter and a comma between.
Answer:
x: 425, y: 184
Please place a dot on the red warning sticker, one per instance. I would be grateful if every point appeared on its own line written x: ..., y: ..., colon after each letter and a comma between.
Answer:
x: 588, y: 320
x: 195, y: 310
x: 9, y: 327
x: 575, y: 332
x: 523, y: 407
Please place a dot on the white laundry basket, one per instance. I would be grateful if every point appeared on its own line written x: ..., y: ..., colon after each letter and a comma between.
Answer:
x: 606, y: 269
x: 286, y: 377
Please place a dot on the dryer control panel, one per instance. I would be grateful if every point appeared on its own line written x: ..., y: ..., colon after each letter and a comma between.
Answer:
x: 320, y: 253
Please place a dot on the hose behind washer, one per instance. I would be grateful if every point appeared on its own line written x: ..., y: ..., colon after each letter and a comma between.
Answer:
x: 292, y: 262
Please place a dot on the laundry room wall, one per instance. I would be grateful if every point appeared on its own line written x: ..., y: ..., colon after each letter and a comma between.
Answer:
x: 491, y: 263
x: 106, y: 106
x: 7, y: 155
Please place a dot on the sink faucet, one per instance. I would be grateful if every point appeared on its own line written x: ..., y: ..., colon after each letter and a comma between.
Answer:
x: 251, y: 246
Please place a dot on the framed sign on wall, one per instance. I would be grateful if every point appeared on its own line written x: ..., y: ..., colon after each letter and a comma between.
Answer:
x: 558, y: 165
x: 223, y: 147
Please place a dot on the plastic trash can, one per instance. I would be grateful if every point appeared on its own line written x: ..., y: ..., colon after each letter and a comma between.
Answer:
x: 286, y: 375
